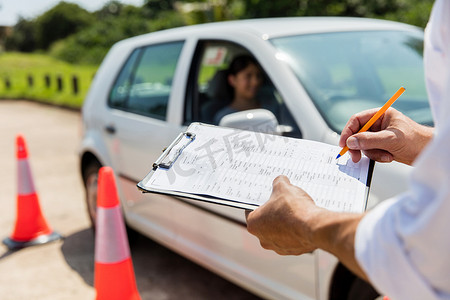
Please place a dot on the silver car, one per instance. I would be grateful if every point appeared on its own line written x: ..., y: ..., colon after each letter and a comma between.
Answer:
x: 317, y: 73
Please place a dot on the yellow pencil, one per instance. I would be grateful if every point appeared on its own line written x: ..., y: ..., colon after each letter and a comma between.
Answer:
x: 376, y: 116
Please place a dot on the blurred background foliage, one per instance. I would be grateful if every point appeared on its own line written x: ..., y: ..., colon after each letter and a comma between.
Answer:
x: 73, y: 34
x: 68, y: 41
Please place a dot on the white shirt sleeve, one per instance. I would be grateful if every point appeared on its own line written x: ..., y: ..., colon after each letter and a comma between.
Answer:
x: 403, y: 245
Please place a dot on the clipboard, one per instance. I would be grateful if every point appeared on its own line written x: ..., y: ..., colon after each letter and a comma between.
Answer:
x: 171, y: 153
x: 184, y: 148
x: 166, y: 161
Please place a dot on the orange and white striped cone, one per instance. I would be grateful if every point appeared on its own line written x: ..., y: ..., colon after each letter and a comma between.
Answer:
x: 30, y: 228
x: 114, y: 274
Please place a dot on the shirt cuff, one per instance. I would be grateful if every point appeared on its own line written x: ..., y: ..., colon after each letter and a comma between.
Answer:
x: 380, y: 252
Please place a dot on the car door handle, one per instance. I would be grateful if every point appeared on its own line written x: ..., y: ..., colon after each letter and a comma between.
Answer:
x: 110, y: 129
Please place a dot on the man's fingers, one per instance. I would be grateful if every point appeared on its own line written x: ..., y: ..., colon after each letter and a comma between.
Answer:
x: 247, y: 213
x: 379, y: 155
x: 281, y: 178
x: 371, y: 140
x: 278, y: 185
x: 355, y: 155
x: 279, y: 182
x: 354, y: 124
x: 375, y: 145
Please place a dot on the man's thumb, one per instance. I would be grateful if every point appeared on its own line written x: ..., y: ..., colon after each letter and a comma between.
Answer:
x: 369, y: 140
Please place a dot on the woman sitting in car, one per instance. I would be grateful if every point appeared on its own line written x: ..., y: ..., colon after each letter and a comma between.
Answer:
x: 244, y: 77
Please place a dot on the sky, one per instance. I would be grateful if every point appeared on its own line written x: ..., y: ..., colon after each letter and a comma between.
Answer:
x: 10, y: 10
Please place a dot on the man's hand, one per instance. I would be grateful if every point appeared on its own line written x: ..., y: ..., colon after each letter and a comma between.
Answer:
x: 290, y: 223
x: 392, y: 137
x: 281, y: 224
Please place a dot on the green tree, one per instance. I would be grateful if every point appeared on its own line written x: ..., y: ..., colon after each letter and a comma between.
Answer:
x: 91, y: 45
x: 61, y: 21
x: 23, y: 37
x: 154, y: 7
x: 116, y: 22
x: 265, y: 9
x: 415, y: 12
x: 110, y: 9
x: 204, y: 11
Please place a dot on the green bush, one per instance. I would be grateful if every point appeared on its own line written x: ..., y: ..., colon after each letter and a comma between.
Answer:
x: 23, y: 38
x: 61, y: 21
x: 90, y: 45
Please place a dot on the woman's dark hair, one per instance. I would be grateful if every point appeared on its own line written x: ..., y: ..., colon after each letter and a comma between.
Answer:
x: 238, y: 64
x: 241, y: 62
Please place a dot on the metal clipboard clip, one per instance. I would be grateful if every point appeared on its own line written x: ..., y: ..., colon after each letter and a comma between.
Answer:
x: 171, y: 153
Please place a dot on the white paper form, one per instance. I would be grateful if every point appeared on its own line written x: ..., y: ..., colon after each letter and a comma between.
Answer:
x: 241, y: 166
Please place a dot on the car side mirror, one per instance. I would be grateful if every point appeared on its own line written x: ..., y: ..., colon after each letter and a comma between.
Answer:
x: 259, y: 120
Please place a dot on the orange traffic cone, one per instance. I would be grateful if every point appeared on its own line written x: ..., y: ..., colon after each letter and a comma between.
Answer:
x: 114, y: 274
x: 30, y: 228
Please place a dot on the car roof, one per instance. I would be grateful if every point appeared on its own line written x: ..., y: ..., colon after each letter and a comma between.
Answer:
x: 268, y: 28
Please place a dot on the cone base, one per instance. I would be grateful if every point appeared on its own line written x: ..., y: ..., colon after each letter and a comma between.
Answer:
x: 40, y: 240
x: 115, y: 281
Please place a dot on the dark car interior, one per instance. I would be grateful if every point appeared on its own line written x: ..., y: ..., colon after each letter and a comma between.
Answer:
x: 206, y: 95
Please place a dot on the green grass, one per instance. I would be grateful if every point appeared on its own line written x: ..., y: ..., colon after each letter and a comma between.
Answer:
x: 18, y: 66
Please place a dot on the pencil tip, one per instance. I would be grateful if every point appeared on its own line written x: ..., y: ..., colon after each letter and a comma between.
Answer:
x: 338, y: 156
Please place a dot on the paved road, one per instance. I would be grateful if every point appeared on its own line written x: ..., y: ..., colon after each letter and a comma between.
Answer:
x: 64, y: 269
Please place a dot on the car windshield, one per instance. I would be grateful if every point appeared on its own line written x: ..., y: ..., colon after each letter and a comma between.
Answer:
x: 346, y: 72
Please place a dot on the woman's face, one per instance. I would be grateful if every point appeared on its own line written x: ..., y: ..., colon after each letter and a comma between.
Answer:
x: 246, y: 82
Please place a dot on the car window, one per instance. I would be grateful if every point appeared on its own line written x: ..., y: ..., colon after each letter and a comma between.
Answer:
x: 213, y: 93
x: 120, y: 90
x: 144, y: 84
x: 347, y: 72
